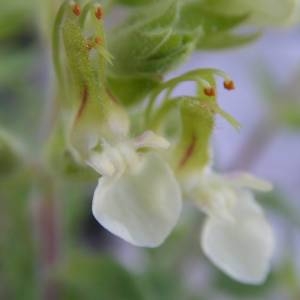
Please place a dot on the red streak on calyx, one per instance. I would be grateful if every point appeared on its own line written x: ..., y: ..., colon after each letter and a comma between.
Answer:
x: 84, y: 99
x: 188, y: 153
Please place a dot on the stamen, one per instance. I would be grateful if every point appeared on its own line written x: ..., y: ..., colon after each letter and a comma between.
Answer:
x: 89, y: 45
x: 92, y: 43
x: 229, y: 85
x: 97, y: 40
x: 99, y: 12
x: 209, y: 91
x: 76, y: 9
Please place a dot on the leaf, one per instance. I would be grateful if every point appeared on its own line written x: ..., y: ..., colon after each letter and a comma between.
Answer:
x: 195, y: 15
x: 14, y: 65
x: 17, y: 250
x: 234, y: 288
x: 223, y: 40
x: 90, y: 277
x: 11, y: 159
x: 161, y: 285
x: 15, y: 15
x: 290, y: 115
x: 135, y: 2
x: 280, y: 205
x: 130, y: 90
x: 147, y: 43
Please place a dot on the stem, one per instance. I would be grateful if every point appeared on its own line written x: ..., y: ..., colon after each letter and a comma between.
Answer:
x: 50, y: 242
x: 47, y: 225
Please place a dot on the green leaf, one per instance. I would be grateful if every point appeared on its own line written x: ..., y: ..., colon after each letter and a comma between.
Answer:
x: 17, y: 250
x: 15, y: 15
x: 147, y: 43
x: 280, y: 205
x: 135, y: 2
x: 87, y: 276
x: 14, y: 65
x: 290, y: 115
x: 162, y: 285
x: 195, y: 15
x: 234, y: 288
x: 130, y: 90
x: 223, y: 40
x: 11, y: 159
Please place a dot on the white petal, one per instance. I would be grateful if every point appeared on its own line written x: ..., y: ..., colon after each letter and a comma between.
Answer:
x: 242, y: 249
x: 247, y: 180
x: 149, y: 139
x: 101, y: 163
x: 142, y: 208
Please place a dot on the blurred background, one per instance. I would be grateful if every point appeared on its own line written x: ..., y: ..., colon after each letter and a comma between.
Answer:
x: 96, y: 265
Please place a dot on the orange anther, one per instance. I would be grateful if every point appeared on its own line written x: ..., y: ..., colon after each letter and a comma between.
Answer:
x: 76, y: 9
x: 210, y: 91
x: 89, y: 46
x: 229, y: 85
x: 99, y: 12
x: 97, y: 40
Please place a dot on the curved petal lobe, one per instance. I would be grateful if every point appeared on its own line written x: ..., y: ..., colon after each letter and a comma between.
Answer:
x: 241, y: 248
x: 141, y: 207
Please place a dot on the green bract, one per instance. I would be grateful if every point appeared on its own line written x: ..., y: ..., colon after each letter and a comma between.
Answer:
x: 145, y: 47
x: 90, y: 111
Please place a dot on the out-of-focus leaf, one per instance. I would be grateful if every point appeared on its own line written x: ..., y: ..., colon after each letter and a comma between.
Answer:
x: 281, y: 205
x: 14, y: 16
x: 261, y: 12
x: 13, y: 65
x: 135, y: 2
x: 10, y: 155
x: 290, y: 115
x: 194, y: 15
x: 234, y: 288
x: 90, y: 277
x: 147, y: 46
x: 150, y: 45
x: 17, y: 253
x: 224, y: 40
x: 160, y: 285
x: 130, y: 90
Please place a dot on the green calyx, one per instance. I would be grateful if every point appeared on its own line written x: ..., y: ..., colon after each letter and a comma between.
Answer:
x: 193, y: 118
x: 80, y: 59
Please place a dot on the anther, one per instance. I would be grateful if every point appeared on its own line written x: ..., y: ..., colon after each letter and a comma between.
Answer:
x: 229, y: 85
x: 89, y: 45
x: 76, y: 9
x: 99, y: 12
x: 209, y: 91
x: 92, y: 43
x: 97, y: 40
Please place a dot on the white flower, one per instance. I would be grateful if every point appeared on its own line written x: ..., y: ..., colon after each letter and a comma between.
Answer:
x: 137, y: 197
x: 236, y: 236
